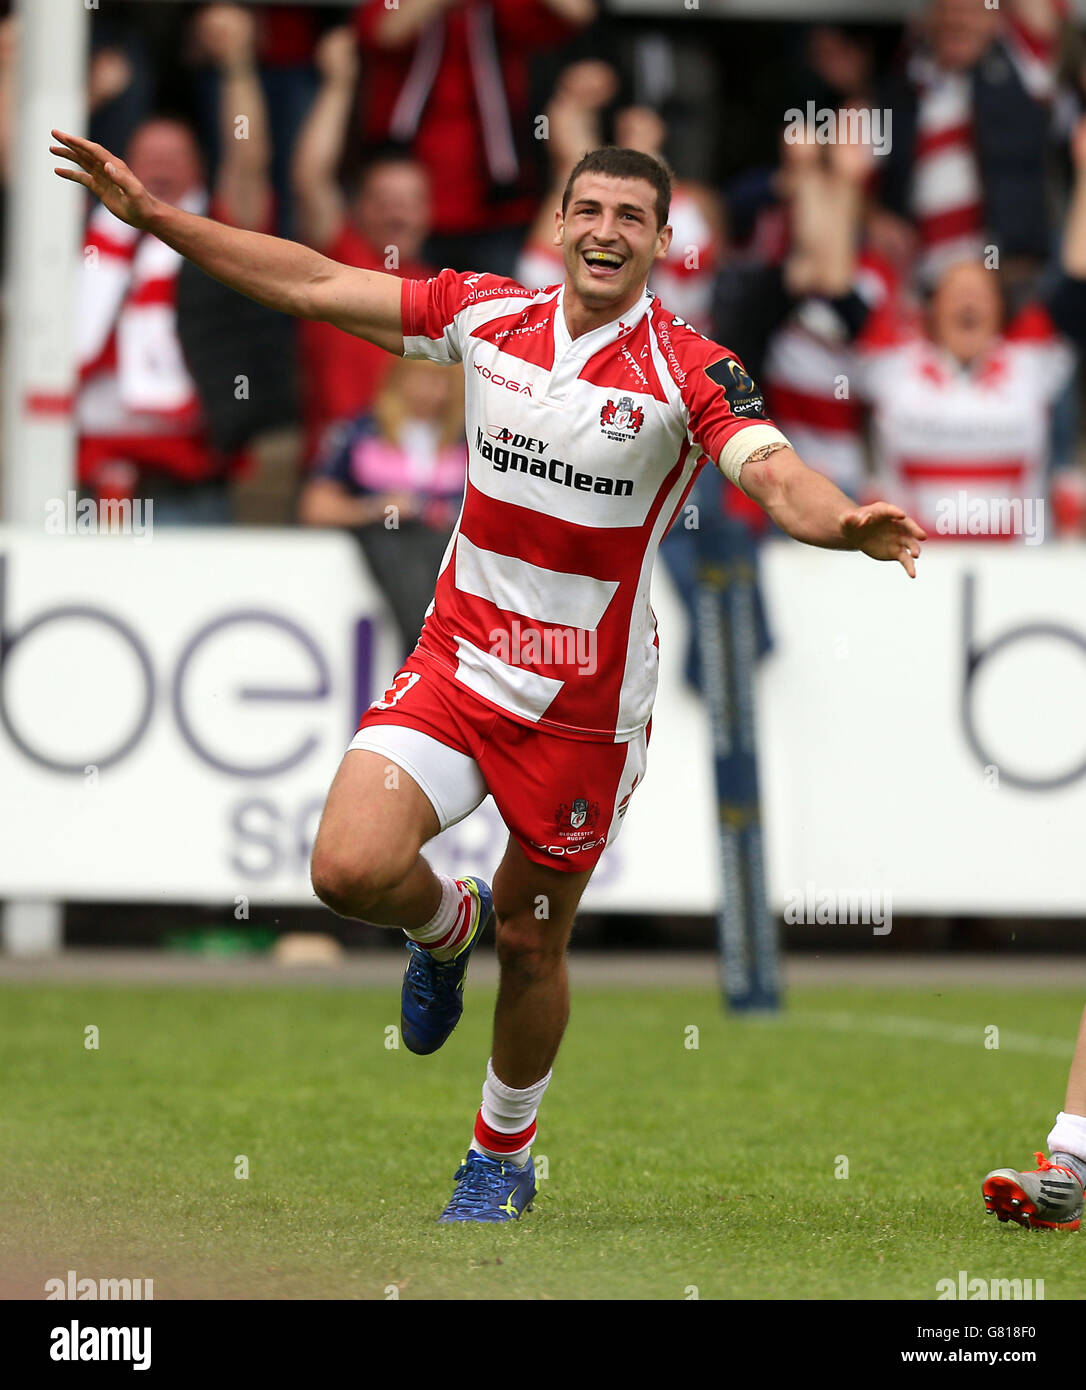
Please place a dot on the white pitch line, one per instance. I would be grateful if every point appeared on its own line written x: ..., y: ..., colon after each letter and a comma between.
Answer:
x: 962, y: 1034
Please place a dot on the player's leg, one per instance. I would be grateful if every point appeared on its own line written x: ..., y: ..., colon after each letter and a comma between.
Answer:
x: 1050, y: 1196
x: 1067, y: 1139
x: 407, y: 776
x: 1075, y: 1102
x: 554, y: 846
x: 534, y: 908
x: 366, y: 860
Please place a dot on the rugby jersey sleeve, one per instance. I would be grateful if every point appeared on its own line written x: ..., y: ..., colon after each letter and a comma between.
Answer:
x: 726, y: 411
x: 434, y: 312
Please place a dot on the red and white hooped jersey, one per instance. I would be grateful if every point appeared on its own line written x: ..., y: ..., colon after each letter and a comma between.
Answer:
x: 946, y: 436
x: 808, y: 367
x: 580, y: 453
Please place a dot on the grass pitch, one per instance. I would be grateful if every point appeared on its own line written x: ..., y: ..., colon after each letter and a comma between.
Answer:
x: 718, y: 1168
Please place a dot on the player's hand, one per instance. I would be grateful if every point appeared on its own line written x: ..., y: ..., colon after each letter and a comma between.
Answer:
x: 107, y: 177
x: 884, y: 532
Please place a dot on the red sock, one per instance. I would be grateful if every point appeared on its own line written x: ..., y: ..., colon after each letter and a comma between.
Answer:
x: 498, y: 1145
x: 451, y: 923
x: 460, y: 928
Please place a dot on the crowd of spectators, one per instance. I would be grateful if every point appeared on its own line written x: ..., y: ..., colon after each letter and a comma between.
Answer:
x: 908, y: 290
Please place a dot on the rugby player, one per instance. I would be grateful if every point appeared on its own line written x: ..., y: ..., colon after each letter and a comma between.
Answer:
x: 589, y: 409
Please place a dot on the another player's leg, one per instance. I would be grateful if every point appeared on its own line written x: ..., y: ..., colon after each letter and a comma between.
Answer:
x: 535, y: 906
x: 1049, y: 1197
x: 367, y: 865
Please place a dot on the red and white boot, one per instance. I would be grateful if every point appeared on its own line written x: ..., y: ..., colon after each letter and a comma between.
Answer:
x: 1048, y: 1197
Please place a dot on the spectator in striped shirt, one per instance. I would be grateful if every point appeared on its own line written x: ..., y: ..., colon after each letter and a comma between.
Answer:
x: 144, y: 426
x: 960, y: 391
x: 970, y: 134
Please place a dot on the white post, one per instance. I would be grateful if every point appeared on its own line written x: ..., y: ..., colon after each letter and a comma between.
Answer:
x: 44, y: 232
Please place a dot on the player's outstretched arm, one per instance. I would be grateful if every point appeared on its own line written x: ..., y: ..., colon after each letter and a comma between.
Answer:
x: 810, y: 508
x: 280, y: 274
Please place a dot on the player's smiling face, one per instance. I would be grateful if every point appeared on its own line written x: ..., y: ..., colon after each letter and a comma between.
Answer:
x: 609, y: 239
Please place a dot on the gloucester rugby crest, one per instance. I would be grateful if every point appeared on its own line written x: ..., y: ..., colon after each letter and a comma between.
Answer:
x: 622, y: 420
x: 577, y: 819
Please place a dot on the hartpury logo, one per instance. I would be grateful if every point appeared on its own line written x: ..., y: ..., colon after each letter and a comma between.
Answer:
x: 621, y: 421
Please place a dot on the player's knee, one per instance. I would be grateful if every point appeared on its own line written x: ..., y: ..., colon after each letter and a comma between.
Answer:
x: 352, y: 885
x: 529, y: 947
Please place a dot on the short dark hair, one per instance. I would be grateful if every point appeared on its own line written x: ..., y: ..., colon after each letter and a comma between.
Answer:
x: 619, y: 163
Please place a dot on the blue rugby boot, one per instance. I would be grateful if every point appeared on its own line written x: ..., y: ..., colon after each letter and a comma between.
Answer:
x: 489, y: 1190
x: 432, y: 997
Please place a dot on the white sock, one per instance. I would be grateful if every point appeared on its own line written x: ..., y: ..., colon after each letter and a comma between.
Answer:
x: 1069, y: 1135
x: 505, y: 1125
x: 449, y: 924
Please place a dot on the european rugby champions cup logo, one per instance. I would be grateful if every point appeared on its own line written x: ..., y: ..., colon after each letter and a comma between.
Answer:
x: 621, y: 421
x: 742, y: 395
